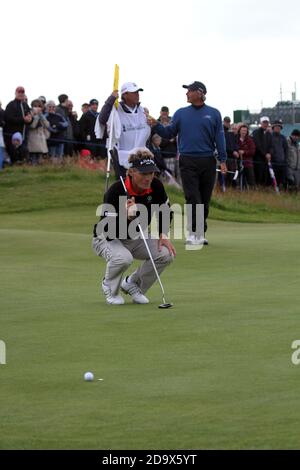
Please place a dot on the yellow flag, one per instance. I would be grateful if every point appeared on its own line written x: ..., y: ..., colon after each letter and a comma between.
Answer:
x: 116, y: 82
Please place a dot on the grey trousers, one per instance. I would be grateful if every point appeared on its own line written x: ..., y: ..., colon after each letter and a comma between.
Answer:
x: 119, y: 254
x: 294, y: 176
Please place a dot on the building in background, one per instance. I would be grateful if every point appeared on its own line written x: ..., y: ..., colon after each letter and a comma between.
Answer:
x: 287, y: 111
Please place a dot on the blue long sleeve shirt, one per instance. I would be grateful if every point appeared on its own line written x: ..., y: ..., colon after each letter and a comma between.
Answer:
x: 199, y: 129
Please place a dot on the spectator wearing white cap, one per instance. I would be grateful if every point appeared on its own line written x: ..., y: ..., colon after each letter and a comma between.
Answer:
x: 134, y: 128
x: 263, y: 143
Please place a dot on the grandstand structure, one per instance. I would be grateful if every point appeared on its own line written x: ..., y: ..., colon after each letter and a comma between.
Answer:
x: 287, y: 111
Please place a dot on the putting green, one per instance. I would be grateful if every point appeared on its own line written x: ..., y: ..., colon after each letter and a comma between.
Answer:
x: 213, y: 372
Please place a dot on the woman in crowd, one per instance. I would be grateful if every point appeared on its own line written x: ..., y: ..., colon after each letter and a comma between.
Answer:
x: 38, y: 133
x: 246, y: 151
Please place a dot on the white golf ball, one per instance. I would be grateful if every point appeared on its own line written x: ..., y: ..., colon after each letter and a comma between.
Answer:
x: 89, y: 376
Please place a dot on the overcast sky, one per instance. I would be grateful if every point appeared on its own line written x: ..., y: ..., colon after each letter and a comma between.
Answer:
x: 240, y: 49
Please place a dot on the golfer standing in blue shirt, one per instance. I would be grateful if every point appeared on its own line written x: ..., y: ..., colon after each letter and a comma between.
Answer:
x: 200, y: 136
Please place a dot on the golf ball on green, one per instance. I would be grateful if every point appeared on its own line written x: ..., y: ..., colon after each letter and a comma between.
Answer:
x: 89, y: 376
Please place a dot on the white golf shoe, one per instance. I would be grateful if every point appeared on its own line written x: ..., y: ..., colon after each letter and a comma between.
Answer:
x: 112, y: 299
x: 193, y: 239
x: 190, y: 239
x: 133, y: 289
x: 201, y: 241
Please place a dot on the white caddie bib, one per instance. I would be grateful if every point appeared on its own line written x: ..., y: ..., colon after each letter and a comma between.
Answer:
x: 135, y: 133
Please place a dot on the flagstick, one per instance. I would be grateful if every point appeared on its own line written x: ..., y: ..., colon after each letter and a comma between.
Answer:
x: 110, y: 149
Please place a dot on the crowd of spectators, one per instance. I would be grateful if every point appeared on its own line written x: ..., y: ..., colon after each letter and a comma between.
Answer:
x: 252, y: 155
x: 47, y: 131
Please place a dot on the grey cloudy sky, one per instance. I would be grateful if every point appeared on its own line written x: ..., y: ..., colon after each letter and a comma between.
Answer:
x: 242, y: 50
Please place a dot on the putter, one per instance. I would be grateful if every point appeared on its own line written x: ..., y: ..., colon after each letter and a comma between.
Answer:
x: 164, y: 304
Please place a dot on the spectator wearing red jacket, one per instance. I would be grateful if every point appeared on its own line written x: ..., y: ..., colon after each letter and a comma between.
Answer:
x: 246, y: 151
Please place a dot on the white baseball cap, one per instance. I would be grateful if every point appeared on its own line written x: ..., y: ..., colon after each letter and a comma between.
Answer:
x: 264, y: 119
x: 130, y: 87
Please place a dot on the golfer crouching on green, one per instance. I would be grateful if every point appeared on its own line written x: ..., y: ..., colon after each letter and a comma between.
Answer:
x: 117, y: 235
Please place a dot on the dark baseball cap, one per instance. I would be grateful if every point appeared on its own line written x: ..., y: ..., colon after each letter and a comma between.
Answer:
x: 196, y: 86
x: 20, y: 89
x: 145, y: 165
x: 227, y: 119
x: 277, y: 123
x: 94, y: 101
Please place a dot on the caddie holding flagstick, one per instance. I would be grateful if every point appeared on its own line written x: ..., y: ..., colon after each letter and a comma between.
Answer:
x: 127, y: 125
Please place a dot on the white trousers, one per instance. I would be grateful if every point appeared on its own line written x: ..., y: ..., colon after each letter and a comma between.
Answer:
x: 119, y: 254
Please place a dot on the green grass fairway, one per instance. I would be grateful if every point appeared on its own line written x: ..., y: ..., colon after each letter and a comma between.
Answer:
x: 214, y: 372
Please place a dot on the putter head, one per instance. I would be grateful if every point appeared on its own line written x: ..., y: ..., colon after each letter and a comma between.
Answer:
x: 165, y: 305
